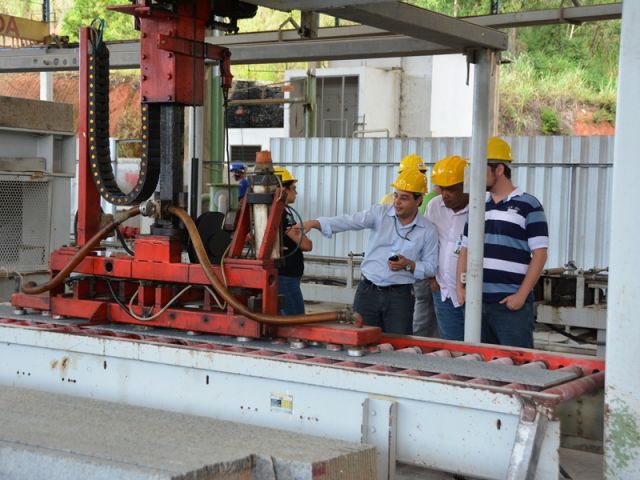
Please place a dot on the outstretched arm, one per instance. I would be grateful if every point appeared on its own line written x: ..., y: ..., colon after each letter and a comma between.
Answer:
x: 308, y: 225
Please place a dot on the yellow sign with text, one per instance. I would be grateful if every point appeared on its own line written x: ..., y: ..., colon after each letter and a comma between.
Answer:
x: 23, y: 28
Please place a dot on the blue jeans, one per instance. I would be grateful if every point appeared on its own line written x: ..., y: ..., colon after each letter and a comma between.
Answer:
x: 450, y: 318
x: 290, y: 288
x: 502, y: 326
x: 388, y: 308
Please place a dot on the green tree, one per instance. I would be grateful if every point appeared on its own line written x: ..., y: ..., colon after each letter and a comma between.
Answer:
x: 118, y: 26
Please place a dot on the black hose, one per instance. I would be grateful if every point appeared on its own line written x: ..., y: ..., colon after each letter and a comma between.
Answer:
x: 570, y: 336
x: 123, y: 242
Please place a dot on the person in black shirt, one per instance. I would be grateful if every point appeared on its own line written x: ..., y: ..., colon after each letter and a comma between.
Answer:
x: 295, y: 242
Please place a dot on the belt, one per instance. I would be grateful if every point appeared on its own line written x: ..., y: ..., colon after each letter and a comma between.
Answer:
x: 366, y: 281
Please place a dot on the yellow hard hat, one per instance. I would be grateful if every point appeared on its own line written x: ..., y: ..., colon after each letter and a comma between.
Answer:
x: 285, y: 175
x: 449, y: 171
x: 411, y: 180
x: 412, y: 161
x: 498, y: 150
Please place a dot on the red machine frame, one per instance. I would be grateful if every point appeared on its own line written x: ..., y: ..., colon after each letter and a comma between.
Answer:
x: 171, y: 44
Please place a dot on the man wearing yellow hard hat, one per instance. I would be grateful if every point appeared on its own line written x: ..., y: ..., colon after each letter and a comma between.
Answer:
x: 516, y: 237
x: 411, y: 161
x: 424, y: 316
x: 448, y: 212
x: 402, y: 248
x: 294, y: 243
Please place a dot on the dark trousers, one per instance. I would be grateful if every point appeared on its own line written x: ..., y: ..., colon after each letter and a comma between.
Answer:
x: 424, y: 316
x: 290, y: 288
x: 502, y: 326
x: 389, y: 308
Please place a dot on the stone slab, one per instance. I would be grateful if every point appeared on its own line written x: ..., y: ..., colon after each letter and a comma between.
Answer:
x: 51, y: 436
x: 36, y: 115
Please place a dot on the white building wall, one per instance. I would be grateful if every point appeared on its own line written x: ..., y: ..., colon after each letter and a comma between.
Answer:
x: 399, y: 97
x: 432, y: 98
x: 378, y: 102
x: 377, y: 94
x: 414, y: 92
x: 255, y: 136
x: 451, y: 98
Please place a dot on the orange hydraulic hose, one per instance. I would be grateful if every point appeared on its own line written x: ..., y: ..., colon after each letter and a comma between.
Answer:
x: 220, y: 288
x: 83, y: 252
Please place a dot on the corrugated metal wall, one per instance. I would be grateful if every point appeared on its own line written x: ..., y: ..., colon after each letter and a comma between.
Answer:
x: 571, y: 176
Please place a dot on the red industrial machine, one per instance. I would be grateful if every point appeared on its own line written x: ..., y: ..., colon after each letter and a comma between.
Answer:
x: 154, y: 287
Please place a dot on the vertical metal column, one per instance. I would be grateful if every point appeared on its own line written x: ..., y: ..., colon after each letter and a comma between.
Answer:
x: 46, y: 78
x: 46, y: 86
x: 88, y: 197
x: 310, y: 22
x: 622, y: 401
x: 217, y: 140
x: 310, y: 108
x: 195, y: 153
x: 171, y: 167
x: 482, y: 98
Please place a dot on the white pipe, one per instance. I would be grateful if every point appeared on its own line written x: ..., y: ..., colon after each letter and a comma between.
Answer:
x: 482, y: 97
x: 622, y: 387
x: 46, y: 86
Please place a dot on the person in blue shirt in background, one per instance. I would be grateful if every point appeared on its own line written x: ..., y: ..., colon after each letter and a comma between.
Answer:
x: 239, y: 171
x: 402, y: 248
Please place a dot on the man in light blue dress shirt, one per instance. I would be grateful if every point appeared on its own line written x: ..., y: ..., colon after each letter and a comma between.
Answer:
x: 402, y: 248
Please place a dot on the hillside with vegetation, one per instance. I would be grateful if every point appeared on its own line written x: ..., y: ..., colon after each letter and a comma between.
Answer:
x: 554, y: 80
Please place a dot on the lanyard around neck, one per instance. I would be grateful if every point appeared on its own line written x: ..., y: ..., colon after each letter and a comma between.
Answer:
x: 406, y: 237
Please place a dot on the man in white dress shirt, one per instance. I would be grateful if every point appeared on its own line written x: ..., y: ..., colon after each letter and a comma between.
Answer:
x: 448, y: 212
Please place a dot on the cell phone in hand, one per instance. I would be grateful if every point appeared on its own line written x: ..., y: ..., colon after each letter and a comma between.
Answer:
x: 393, y: 258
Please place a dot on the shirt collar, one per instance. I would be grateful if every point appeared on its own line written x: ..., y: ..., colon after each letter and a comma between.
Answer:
x: 517, y: 192
x: 442, y: 205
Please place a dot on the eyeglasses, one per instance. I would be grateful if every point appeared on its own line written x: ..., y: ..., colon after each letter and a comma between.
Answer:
x: 402, y: 197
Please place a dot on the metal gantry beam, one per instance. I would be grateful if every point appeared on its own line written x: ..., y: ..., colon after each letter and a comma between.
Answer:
x: 423, y: 24
x: 332, y: 44
x: 307, y: 5
x: 587, y: 13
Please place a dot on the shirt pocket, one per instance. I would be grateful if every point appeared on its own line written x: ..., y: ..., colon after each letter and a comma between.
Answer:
x: 412, y: 250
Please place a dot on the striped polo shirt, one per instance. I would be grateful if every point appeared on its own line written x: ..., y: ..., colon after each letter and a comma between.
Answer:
x: 513, y: 228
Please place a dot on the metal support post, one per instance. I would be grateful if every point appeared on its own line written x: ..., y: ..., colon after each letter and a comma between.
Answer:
x: 216, y: 143
x: 482, y: 93
x: 379, y: 427
x: 88, y: 196
x: 310, y: 115
x: 196, y: 142
x: 526, y: 448
x: 46, y: 86
x: 622, y: 403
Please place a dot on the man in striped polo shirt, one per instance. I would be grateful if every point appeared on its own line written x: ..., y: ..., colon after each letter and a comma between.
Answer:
x: 516, y: 238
